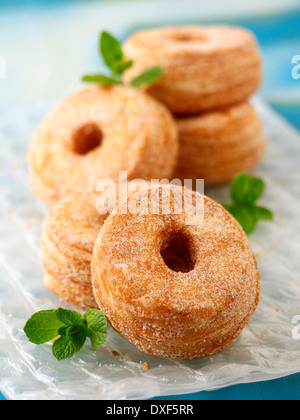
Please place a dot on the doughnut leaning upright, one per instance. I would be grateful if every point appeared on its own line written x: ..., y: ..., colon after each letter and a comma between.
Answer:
x: 70, y: 229
x: 96, y: 133
x: 172, y: 288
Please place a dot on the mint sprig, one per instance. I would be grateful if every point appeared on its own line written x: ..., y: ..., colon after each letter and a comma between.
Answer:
x: 69, y: 329
x: 147, y: 77
x: 245, y: 191
x: 112, y: 54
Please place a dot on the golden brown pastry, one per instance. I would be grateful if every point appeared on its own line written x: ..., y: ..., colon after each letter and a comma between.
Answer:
x: 94, y: 134
x: 217, y: 145
x: 174, y: 282
x: 205, y: 67
x: 70, y: 229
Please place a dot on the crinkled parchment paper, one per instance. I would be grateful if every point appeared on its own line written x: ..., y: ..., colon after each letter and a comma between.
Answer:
x: 268, y: 348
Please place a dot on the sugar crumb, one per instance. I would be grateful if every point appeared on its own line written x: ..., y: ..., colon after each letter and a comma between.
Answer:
x: 145, y: 366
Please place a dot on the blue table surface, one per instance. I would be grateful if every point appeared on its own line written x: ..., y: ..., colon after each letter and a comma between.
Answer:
x: 279, y: 38
x: 284, y: 389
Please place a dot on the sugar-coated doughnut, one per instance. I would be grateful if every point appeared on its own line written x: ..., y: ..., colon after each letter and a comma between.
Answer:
x: 70, y: 229
x: 94, y: 134
x: 216, y: 146
x: 173, y: 283
x: 205, y: 67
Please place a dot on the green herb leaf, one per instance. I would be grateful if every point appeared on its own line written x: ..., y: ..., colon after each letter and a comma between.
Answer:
x: 257, y: 188
x: 71, y: 342
x: 246, y: 217
x: 71, y: 328
x: 111, y: 51
x: 123, y: 65
x: 97, y: 327
x: 43, y: 326
x: 245, y: 191
x: 112, y: 54
x: 148, y: 77
x: 264, y: 214
x: 69, y: 317
x: 101, y: 79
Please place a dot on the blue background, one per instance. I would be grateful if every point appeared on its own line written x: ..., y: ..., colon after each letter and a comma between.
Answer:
x: 279, y: 37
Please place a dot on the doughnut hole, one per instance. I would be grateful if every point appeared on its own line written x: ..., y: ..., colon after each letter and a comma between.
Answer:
x: 87, y: 138
x: 177, y: 254
x: 189, y: 37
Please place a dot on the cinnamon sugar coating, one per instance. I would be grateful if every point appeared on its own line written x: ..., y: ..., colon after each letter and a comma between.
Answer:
x: 94, y: 134
x: 173, y: 288
x: 205, y: 67
x: 217, y: 145
x: 70, y: 229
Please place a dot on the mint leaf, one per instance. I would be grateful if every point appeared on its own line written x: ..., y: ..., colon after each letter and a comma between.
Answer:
x: 42, y: 327
x: 112, y: 54
x: 246, y: 216
x: 111, y: 51
x: 102, y: 79
x: 148, y: 77
x: 97, y: 327
x: 245, y: 191
x: 69, y: 317
x: 239, y: 188
x: 264, y: 214
x: 123, y: 65
x: 257, y: 188
x: 72, y: 335
x: 68, y: 330
x: 71, y: 342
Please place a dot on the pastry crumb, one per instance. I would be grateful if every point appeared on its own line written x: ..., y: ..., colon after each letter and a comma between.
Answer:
x: 115, y: 353
x: 145, y: 366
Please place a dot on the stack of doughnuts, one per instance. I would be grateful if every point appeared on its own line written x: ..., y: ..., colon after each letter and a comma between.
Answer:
x: 175, y: 282
x: 210, y: 72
